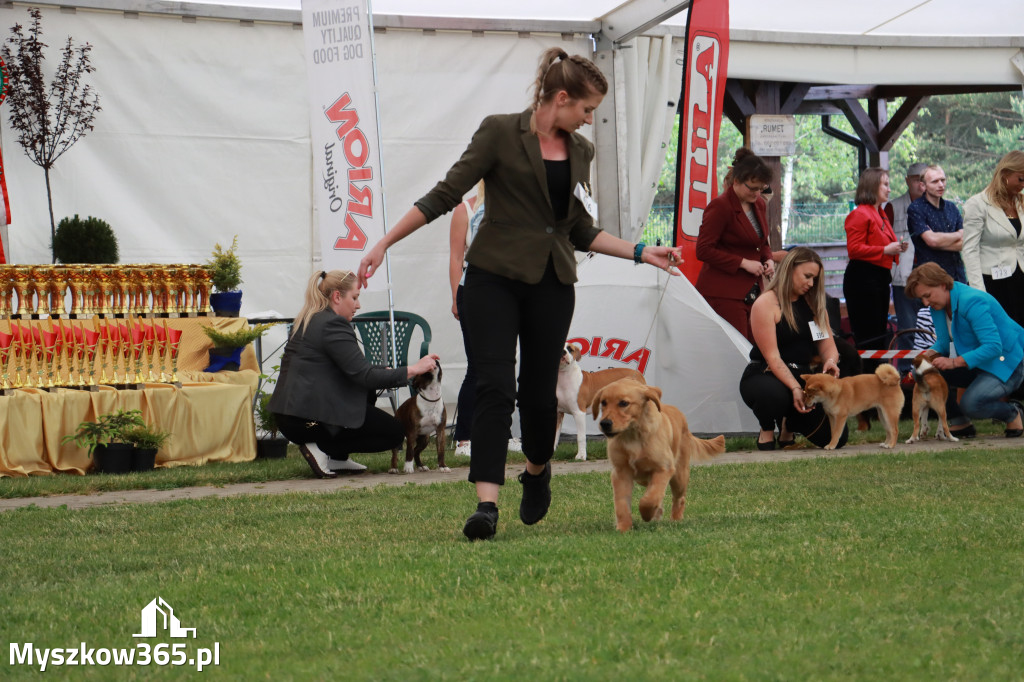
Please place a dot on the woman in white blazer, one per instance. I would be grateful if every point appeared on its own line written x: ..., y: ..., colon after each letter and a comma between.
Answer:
x: 993, y: 250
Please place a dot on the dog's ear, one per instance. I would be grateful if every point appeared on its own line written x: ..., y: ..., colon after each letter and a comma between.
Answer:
x: 653, y: 393
x: 577, y: 352
x: 595, y: 405
x: 805, y: 377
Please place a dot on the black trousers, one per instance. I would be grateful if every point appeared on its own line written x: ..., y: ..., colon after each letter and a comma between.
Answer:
x: 380, y: 432
x: 771, y: 402
x: 499, y: 312
x: 866, y: 288
x: 466, y: 406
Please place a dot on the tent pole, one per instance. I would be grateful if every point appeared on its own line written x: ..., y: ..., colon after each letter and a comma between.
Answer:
x: 383, y: 203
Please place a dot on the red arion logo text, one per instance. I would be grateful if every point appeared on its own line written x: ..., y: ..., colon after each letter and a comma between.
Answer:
x: 356, y: 152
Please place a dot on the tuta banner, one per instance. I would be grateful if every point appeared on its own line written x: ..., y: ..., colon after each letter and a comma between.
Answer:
x: 704, y: 74
x: 347, y: 198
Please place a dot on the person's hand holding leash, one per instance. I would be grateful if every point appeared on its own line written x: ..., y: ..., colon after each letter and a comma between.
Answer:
x: 665, y: 257
x: 370, y: 262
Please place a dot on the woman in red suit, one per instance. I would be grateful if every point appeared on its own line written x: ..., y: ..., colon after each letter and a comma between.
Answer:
x: 873, y: 248
x: 733, y: 242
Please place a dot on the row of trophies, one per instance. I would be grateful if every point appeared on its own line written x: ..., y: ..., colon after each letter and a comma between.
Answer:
x: 51, y: 358
x: 119, y: 290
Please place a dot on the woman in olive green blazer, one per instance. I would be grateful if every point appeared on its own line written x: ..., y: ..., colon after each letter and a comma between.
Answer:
x: 519, y: 282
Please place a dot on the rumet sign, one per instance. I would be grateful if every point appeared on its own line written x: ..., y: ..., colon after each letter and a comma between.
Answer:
x: 772, y: 135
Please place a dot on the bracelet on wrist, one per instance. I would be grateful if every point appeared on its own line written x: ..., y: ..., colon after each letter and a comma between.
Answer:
x: 638, y: 252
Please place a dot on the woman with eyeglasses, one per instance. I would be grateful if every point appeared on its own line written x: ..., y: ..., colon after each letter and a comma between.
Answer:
x: 733, y: 242
x: 873, y: 248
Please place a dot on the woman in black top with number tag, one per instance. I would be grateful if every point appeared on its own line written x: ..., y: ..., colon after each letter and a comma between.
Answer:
x: 519, y: 281
x: 790, y: 327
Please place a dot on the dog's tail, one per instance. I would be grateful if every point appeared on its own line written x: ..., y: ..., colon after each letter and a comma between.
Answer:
x: 888, y: 375
x: 706, y: 449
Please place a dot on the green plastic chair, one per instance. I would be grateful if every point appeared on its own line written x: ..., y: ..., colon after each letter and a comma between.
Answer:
x: 374, y: 331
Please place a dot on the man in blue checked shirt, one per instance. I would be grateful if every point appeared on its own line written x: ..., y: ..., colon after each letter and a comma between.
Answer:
x: 936, y: 227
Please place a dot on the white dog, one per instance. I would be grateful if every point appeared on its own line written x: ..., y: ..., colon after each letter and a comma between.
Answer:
x: 576, y: 390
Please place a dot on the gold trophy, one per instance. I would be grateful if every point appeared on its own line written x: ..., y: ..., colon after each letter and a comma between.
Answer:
x: 5, y: 355
x: 104, y: 342
x: 91, y: 340
x: 19, y: 349
x: 6, y: 290
x: 147, y: 291
x: 203, y: 285
x: 57, y: 286
x: 188, y: 289
x: 78, y: 282
x: 38, y: 276
x: 138, y: 343
x: 122, y: 289
x: 48, y: 347
x: 173, y: 341
x: 23, y: 287
x: 126, y: 351
x: 103, y: 286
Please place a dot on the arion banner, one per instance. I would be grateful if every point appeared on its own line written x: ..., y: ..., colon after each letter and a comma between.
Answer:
x: 347, y: 202
x: 704, y: 74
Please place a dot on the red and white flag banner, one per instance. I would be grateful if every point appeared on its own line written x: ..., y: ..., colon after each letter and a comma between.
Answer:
x: 347, y: 197
x: 704, y: 75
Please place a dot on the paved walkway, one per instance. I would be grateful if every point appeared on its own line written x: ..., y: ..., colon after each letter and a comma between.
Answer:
x: 369, y: 480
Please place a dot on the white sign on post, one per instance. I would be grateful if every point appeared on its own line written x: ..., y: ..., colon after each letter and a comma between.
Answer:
x: 772, y: 135
x: 343, y: 128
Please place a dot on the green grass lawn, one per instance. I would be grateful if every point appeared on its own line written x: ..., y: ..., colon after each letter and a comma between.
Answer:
x: 878, y: 567
x: 294, y: 467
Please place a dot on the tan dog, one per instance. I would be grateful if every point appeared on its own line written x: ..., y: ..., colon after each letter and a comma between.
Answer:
x: 648, y: 443
x: 843, y: 397
x: 930, y: 392
x: 576, y: 390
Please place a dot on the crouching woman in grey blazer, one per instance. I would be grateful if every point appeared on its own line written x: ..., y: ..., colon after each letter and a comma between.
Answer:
x: 325, y: 394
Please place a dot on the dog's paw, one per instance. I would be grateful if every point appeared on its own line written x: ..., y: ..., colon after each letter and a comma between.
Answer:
x: 581, y: 457
x: 829, y: 447
x: 951, y: 438
x: 651, y: 513
x: 393, y: 470
x: 885, y: 445
x: 912, y: 440
x: 444, y: 469
x: 409, y: 468
x: 423, y: 468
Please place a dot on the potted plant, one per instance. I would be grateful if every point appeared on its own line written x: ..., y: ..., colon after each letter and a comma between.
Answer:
x: 225, y: 274
x: 105, y: 438
x: 226, y: 352
x: 146, y: 441
x: 270, y: 445
x: 84, y: 241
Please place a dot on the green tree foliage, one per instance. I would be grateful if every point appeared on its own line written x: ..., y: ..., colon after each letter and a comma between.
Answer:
x: 966, y: 135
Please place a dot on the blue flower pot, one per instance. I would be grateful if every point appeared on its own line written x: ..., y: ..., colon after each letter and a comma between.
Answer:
x: 226, y: 303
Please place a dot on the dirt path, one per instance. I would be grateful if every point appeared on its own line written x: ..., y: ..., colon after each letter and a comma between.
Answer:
x: 369, y: 480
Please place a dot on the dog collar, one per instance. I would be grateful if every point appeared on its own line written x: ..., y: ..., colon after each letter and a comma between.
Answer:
x: 429, y: 400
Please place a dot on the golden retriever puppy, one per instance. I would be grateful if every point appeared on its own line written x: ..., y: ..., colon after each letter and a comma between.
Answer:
x: 843, y: 397
x: 648, y: 443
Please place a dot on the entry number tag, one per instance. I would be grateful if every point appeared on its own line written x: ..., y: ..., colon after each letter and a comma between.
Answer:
x: 1002, y: 272
x: 588, y: 201
x: 816, y: 334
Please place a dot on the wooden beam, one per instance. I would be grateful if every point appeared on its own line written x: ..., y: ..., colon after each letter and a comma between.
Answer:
x: 903, y: 117
x: 734, y: 91
x: 839, y: 92
x: 817, y: 109
x: 792, y: 97
x: 862, y: 125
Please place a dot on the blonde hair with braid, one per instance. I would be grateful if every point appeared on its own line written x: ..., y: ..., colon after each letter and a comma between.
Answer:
x: 577, y: 75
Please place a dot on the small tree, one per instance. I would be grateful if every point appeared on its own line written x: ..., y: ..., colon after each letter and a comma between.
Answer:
x: 49, y: 120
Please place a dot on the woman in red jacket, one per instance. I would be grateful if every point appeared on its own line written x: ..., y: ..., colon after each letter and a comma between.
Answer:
x: 873, y: 248
x: 733, y: 242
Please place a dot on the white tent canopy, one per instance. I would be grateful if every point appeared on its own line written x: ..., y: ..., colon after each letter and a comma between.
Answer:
x: 204, y: 132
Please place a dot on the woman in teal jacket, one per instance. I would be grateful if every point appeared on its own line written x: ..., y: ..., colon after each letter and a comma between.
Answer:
x: 986, y: 356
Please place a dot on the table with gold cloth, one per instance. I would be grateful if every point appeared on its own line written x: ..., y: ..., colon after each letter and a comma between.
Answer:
x: 210, y: 416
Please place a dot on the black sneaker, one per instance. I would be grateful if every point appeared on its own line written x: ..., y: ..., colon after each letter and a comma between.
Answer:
x: 536, y: 495
x: 483, y: 523
x: 966, y: 432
